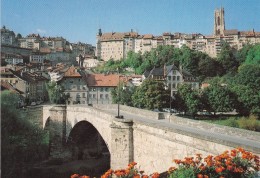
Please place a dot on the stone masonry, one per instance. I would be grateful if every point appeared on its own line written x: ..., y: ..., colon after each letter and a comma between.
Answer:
x: 151, y: 139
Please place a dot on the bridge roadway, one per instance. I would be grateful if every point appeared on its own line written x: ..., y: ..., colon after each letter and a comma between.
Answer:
x: 192, y: 131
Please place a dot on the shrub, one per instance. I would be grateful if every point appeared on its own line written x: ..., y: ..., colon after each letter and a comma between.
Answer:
x: 232, y: 122
x: 250, y: 123
x: 237, y: 163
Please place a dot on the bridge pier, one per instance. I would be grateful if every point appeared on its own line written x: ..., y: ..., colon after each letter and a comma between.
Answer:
x: 121, y: 143
x: 57, y: 131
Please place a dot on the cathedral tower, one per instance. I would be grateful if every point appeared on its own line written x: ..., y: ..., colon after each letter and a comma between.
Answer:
x: 219, y: 21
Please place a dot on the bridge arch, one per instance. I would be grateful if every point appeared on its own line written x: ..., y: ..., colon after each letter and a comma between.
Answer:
x: 86, y: 141
x: 101, y: 123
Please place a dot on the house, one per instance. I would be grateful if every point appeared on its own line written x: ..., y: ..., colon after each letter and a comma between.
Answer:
x: 74, y: 84
x: 100, y: 86
x: 31, y: 85
x: 172, y: 76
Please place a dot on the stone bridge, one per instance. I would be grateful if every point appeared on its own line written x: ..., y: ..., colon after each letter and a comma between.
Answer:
x: 149, y: 138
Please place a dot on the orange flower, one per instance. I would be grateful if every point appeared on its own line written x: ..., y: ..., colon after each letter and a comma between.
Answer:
x: 200, y: 176
x: 74, y: 176
x: 177, y: 161
x: 84, y: 176
x: 136, y: 176
x: 156, y: 175
x: 219, y: 169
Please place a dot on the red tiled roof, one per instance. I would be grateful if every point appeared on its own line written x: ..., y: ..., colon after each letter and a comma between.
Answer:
x: 72, y: 72
x: 230, y: 32
x: 102, y: 80
x: 148, y: 36
x: 8, y: 86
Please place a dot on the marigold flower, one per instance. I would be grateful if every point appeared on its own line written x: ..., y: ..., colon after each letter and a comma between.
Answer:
x: 84, y: 176
x: 74, y: 176
x: 177, y: 161
x: 155, y: 175
x: 200, y: 176
x: 219, y: 169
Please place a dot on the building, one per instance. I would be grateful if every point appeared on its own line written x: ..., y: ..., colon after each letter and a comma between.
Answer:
x: 172, y: 76
x: 100, y: 86
x: 30, y: 84
x: 12, y: 59
x: 7, y: 37
x: 116, y: 45
x: 219, y: 22
x: 74, y: 84
x: 38, y: 58
x: 31, y: 41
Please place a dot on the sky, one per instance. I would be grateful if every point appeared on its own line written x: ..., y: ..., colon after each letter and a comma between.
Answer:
x: 79, y: 20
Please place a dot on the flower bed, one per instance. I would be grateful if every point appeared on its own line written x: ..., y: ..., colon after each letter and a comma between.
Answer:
x: 236, y: 163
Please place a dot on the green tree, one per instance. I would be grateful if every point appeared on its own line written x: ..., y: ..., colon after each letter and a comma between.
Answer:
x: 248, y: 75
x: 248, y: 100
x: 208, y: 67
x: 227, y: 58
x: 22, y: 143
x: 56, y: 93
x: 242, y: 53
x: 151, y: 95
x: 123, y: 94
x: 253, y: 55
x: 219, y: 98
x: 188, y: 99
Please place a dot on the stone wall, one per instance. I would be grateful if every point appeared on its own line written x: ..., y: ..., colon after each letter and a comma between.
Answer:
x: 214, y: 128
x: 155, y: 148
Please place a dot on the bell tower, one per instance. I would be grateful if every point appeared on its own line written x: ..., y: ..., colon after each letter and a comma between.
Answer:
x: 219, y: 22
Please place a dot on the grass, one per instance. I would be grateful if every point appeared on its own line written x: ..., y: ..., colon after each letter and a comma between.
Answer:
x: 248, y: 123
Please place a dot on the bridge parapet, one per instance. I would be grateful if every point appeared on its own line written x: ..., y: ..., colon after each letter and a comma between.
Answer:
x: 214, y: 128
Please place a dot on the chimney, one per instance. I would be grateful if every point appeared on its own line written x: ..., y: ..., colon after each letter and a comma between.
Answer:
x: 164, y: 71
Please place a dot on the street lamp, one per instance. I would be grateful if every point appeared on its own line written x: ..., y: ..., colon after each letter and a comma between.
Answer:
x: 118, y: 102
x: 166, y: 88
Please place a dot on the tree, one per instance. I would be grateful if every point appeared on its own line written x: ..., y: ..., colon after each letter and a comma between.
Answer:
x: 219, y: 98
x: 188, y: 99
x: 227, y: 58
x: 247, y: 101
x: 21, y: 141
x: 56, y: 93
x: 248, y: 75
x: 242, y: 53
x: 123, y: 94
x: 253, y: 55
x: 151, y: 95
x: 208, y: 67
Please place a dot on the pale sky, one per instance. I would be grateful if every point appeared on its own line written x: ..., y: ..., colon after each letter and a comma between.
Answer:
x: 79, y: 20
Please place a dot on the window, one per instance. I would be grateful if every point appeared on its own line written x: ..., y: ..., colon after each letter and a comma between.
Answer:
x: 94, y: 95
x: 178, y: 78
x: 169, y: 78
x: 106, y: 96
x: 83, y: 95
x: 173, y: 77
x: 106, y: 89
x: 101, y: 96
x: 101, y: 89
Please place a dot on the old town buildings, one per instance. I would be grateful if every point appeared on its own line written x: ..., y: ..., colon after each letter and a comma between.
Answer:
x: 116, y: 45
